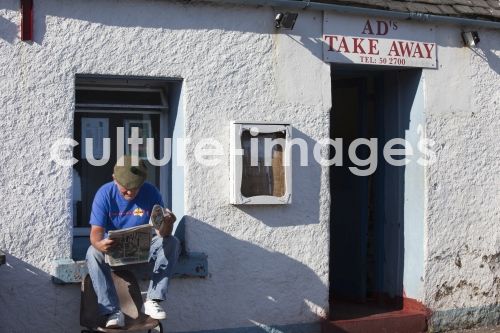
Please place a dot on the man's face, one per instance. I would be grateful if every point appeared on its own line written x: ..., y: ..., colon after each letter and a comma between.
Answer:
x: 127, y: 193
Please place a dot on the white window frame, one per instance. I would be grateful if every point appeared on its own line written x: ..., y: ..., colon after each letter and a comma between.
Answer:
x: 236, y: 163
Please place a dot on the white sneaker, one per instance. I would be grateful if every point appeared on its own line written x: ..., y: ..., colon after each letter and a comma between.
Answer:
x: 154, y: 310
x: 115, y: 320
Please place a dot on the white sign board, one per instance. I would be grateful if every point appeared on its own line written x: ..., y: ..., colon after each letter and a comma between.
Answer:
x: 377, y: 41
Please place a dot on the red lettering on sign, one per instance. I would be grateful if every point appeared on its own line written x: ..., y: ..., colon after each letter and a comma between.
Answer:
x: 330, y: 42
x: 343, y: 45
x: 394, y: 52
x: 410, y: 49
x: 426, y: 45
x: 406, y: 48
x: 373, y: 46
x: 417, y: 50
x: 357, y: 45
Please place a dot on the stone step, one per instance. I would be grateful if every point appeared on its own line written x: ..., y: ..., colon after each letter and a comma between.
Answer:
x: 390, y: 322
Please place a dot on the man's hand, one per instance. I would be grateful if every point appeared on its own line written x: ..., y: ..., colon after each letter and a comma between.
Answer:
x: 105, y: 245
x: 98, y: 241
x: 168, y: 224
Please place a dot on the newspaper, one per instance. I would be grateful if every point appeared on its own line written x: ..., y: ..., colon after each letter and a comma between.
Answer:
x: 131, y: 246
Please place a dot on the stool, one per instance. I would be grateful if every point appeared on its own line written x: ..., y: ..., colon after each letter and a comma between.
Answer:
x: 129, y: 295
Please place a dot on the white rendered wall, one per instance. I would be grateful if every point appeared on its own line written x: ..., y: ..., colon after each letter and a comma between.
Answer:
x: 268, y: 265
x: 462, y: 275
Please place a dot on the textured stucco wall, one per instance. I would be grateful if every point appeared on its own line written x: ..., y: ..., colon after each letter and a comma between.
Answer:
x: 268, y: 265
x: 462, y: 275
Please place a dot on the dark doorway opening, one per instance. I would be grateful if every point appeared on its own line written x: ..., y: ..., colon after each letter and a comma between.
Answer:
x: 367, y: 212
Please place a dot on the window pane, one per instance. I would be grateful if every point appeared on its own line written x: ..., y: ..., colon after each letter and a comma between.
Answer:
x: 115, y: 97
x: 261, y: 179
x: 88, y: 178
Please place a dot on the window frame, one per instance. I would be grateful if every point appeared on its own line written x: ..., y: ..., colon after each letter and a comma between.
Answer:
x: 161, y: 110
x: 236, y: 164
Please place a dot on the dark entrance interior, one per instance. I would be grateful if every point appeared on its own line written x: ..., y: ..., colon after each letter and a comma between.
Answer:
x: 367, y: 212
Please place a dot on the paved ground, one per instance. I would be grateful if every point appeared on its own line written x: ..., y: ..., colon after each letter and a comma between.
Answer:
x: 495, y: 329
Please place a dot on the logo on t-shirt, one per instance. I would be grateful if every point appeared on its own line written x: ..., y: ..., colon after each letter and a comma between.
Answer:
x: 138, y: 212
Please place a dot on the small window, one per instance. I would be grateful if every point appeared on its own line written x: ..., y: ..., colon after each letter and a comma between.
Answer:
x: 260, y: 164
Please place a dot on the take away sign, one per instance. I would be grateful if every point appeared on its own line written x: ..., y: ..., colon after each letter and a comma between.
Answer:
x: 376, y: 41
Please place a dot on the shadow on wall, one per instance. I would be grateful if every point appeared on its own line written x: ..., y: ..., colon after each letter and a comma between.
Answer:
x: 153, y: 15
x: 30, y: 302
x: 8, y: 30
x: 206, y: 17
x: 247, y: 285
x: 305, y: 203
x: 489, y: 56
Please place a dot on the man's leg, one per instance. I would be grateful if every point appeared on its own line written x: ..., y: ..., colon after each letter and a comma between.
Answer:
x: 163, y: 256
x: 100, y: 273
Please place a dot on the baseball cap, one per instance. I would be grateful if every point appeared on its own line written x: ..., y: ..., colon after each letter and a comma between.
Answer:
x: 128, y: 175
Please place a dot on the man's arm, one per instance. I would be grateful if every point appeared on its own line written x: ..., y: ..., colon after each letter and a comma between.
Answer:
x: 98, y: 241
x: 99, y: 217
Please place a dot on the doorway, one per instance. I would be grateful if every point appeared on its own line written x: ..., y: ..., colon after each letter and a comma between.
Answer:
x: 367, y: 213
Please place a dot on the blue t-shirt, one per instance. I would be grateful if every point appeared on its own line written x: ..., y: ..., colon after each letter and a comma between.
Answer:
x: 112, y: 211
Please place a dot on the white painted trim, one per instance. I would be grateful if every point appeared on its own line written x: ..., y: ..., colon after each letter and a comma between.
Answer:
x: 236, y: 165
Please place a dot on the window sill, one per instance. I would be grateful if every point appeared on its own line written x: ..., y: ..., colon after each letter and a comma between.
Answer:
x: 190, y: 264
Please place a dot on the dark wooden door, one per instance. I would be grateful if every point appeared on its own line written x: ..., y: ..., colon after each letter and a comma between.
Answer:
x: 349, y: 208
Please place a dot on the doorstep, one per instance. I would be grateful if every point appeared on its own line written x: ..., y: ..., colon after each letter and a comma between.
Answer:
x: 402, y: 321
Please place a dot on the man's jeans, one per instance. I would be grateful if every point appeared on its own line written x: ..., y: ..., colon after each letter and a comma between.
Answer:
x: 163, y: 256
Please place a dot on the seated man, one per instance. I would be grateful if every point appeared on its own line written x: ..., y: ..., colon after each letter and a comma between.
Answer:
x: 125, y: 202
